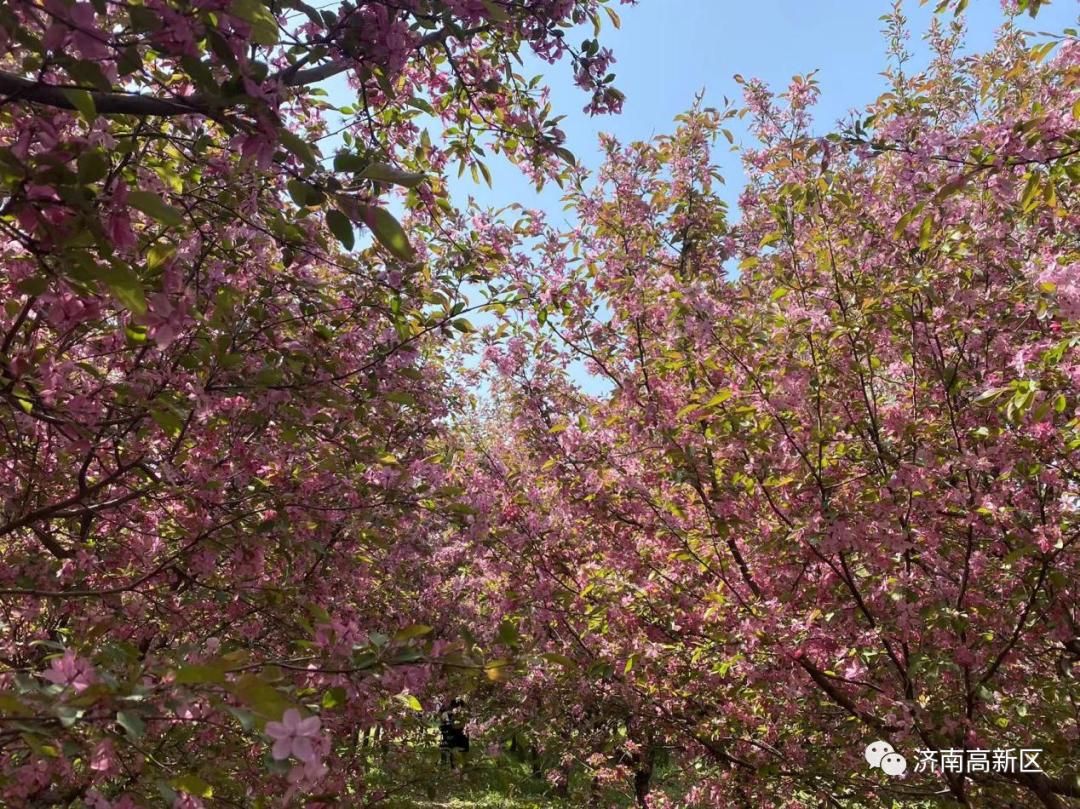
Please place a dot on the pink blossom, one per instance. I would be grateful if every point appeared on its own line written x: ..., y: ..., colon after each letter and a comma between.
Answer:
x: 71, y: 670
x: 103, y: 759
x: 293, y: 736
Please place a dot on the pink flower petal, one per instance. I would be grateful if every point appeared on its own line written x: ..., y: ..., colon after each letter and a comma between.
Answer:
x: 302, y: 749
x: 291, y: 719
x: 281, y: 748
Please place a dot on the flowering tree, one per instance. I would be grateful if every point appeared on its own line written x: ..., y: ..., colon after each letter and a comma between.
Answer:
x: 830, y: 495
x: 222, y: 472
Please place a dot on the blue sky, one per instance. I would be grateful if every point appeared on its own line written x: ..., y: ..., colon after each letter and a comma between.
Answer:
x: 669, y: 50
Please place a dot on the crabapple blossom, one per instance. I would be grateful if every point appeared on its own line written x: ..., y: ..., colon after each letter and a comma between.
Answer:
x: 224, y: 417
x: 293, y: 736
x: 825, y: 495
x: 70, y: 670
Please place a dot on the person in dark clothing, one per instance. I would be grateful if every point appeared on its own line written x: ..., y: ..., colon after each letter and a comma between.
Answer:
x: 452, y: 730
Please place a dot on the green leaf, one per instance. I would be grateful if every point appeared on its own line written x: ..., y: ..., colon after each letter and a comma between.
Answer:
x: 130, y: 61
x: 245, y: 718
x: 299, y: 147
x: 34, y: 285
x: 192, y: 785
x: 152, y: 205
x: 158, y: 255
x: 686, y: 410
x: 11, y: 705
x: 1031, y: 192
x: 260, y: 696
x: 93, y: 166
x: 341, y: 227
x: 907, y: 219
x: 413, y: 703
x: 498, y: 670
x: 69, y: 714
x: 463, y: 325
x: 199, y: 674
x: 333, y: 697
x: 420, y: 104
x: 264, y: 27
x: 132, y: 723
x: 167, y: 793
x: 135, y: 335
x: 485, y: 172
x: 951, y: 187
x: 566, y: 155
x: 349, y: 161
x: 385, y: 173
x: 388, y: 231
x: 417, y: 630
x: 508, y: 633
x: 719, y: 398
x: 304, y: 194
x: 769, y: 238
x: 495, y: 12
x: 126, y: 287
x: 85, y: 71
x: 167, y: 419
x: 988, y: 396
x: 562, y: 660
x: 144, y: 19
x: 926, y: 232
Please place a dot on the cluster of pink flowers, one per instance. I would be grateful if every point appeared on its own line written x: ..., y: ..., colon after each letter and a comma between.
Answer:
x: 70, y: 670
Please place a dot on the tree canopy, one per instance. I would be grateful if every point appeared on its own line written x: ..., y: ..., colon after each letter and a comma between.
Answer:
x: 258, y: 524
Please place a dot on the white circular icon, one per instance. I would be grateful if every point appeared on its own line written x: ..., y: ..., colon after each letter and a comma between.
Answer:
x: 881, y: 754
x: 876, y: 751
x: 893, y: 764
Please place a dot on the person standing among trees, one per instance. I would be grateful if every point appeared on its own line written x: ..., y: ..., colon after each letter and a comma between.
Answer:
x: 453, y: 739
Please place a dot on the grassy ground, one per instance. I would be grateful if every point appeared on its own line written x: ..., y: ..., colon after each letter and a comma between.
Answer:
x: 483, y: 784
x: 479, y: 782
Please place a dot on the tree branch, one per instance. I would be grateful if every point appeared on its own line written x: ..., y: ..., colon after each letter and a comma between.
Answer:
x: 118, y: 103
x: 110, y: 103
x: 836, y: 695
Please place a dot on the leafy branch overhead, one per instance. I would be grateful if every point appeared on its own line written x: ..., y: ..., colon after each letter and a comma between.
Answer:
x: 307, y: 472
